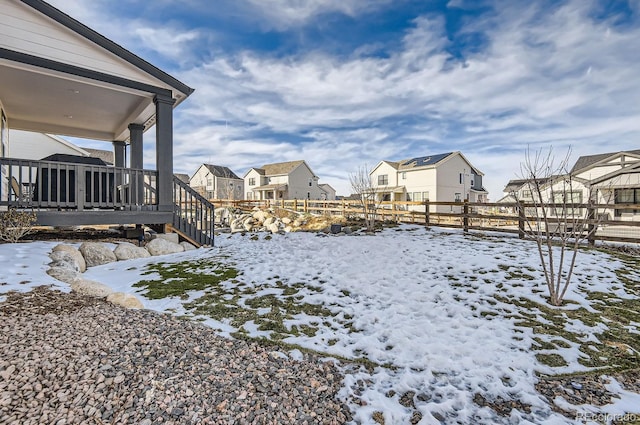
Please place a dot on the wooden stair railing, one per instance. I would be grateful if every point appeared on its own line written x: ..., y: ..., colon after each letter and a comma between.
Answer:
x: 193, y: 215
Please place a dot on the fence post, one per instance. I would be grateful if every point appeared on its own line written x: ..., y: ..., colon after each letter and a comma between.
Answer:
x: 521, y: 219
x: 306, y: 206
x: 426, y: 213
x: 343, y: 214
x: 295, y: 205
x: 465, y: 215
x: 591, y: 216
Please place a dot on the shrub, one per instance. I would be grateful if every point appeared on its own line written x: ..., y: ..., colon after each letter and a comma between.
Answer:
x: 16, y: 224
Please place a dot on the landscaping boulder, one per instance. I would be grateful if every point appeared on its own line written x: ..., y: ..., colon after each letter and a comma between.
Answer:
x: 273, y: 228
x: 162, y: 247
x: 187, y: 246
x: 74, y: 253
x: 90, y: 288
x: 96, y: 254
x: 65, y: 260
x: 63, y: 274
x: 128, y: 251
x: 124, y: 300
x: 171, y: 237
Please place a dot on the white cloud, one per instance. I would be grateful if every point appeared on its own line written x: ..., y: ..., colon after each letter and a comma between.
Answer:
x: 283, y: 14
x: 545, y: 76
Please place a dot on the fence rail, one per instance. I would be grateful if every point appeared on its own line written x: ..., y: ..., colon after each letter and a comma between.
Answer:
x: 611, y: 222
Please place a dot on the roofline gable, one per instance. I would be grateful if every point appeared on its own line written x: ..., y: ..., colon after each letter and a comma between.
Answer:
x: 107, y: 44
x: 602, y: 161
x: 625, y: 170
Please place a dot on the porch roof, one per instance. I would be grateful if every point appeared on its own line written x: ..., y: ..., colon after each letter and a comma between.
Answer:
x: 270, y: 187
x: 61, y: 77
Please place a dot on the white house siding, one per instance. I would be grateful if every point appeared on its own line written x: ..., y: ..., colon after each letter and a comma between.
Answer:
x: 448, y: 181
x: 214, y: 187
x: 32, y: 145
x: 259, y: 181
x: 385, y: 169
x: 37, y: 35
x: 299, y: 184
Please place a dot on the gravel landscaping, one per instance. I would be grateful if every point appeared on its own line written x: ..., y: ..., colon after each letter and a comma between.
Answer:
x: 71, y: 359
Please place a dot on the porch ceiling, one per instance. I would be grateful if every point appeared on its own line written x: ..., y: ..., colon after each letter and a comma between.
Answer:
x: 44, y: 100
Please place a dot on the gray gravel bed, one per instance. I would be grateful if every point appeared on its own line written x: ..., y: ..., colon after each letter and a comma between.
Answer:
x: 69, y: 359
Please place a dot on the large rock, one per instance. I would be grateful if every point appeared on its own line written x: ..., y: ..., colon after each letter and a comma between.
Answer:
x: 124, y: 300
x: 63, y: 274
x: 65, y: 260
x: 128, y: 251
x: 96, y: 254
x: 260, y: 215
x: 286, y: 220
x: 162, y: 247
x: 268, y: 221
x: 273, y: 228
x: 187, y: 246
x: 90, y: 288
x: 74, y: 253
x: 171, y: 237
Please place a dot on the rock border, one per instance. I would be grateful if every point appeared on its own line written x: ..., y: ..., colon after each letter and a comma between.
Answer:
x: 68, y: 263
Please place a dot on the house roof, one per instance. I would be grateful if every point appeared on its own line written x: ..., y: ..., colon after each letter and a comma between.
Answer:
x: 326, y: 186
x: 105, y: 155
x: 221, y: 171
x: 183, y: 177
x: 280, y: 168
x: 421, y: 161
x: 271, y: 186
x: 514, y: 185
x: 588, y: 160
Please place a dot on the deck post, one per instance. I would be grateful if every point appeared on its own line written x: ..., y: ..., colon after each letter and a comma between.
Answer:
x: 136, y: 162
x: 164, y: 151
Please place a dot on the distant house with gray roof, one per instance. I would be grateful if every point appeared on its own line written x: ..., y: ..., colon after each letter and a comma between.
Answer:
x: 441, y: 177
x: 217, y: 182
x: 283, y: 180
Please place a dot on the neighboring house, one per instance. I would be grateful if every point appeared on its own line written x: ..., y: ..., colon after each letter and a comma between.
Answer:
x: 329, y: 192
x: 183, y: 177
x: 608, y: 178
x: 614, y: 178
x: 217, y: 182
x: 31, y: 145
x: 283, y: 180
x: 443, y: 177
x: 519, y: 190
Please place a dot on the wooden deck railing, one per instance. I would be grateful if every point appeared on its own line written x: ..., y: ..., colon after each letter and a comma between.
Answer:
x: 194, y: 214
x: 54, y: 185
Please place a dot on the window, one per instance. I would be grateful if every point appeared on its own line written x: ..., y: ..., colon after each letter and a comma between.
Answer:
x: 386, y: 197
x: 404, y: 175
x: 574, y: 197
x: 626, y: 196
x: 252, y: 181
x: 458, y: 197
x: 417, y: 196
x: 310, y: 182
x: 409, y: 197
x: 461, y: 177
x: 425, y: 196
x: 308, y: 195
x: 526, y: 194
x: 383, y: 180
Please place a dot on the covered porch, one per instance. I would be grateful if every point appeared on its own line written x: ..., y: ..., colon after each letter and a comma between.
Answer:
x: 58, y: 76
x: 270, y: 192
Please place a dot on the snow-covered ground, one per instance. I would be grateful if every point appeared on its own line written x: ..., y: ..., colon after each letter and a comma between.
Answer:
x: 429, y: 309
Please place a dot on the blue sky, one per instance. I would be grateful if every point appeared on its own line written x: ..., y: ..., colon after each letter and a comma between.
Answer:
x: 344, y: 83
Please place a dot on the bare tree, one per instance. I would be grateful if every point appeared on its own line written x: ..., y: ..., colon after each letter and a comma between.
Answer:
x: 560, y: 216
x: 362, y: 185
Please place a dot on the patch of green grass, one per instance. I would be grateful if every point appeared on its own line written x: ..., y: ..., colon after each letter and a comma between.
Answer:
x: 179, y: 278
x: 553, y: 360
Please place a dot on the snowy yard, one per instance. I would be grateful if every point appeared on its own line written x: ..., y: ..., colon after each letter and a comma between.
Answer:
x: 435, y: 320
